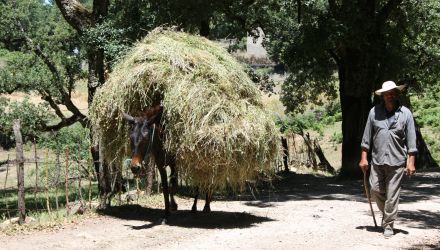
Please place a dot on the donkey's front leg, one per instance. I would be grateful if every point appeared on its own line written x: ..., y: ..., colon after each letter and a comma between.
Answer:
x: 173, y: 187
x: 166, y: 194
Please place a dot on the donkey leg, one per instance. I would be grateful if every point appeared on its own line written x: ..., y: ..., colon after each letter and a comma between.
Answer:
x: 173, y: 187
x: 196, y: 196
x: 166, y: 194
x: 207, y: 207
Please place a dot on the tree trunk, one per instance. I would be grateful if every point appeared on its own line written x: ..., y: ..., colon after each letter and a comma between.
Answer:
x: 354, y: 116
x: 104, y: 179
x: 286, y: 156
x: 204, y: 28
x: 81, y: 19
x: 357, y: 76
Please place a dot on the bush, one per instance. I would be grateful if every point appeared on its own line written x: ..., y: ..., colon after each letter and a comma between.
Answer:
x: 427, y: 114
x: 32, y: 117
x: 75, y: 139
x: 314, y: 119
x: 336, y: 137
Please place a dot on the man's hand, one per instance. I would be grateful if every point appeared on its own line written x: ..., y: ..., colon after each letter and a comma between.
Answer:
x: 363, y: 164
x: 410, y: 166
x: 410, y: 169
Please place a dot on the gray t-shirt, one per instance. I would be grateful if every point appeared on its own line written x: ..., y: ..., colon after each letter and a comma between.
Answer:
x: 390, y: 137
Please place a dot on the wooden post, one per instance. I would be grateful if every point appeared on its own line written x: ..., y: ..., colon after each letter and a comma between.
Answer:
x: 36, y: 174
x: 6, y: 181
x: 20, y: 172
x: 47, y: 185
x: 79, y: 174
x: 67, y: 181
x: 90, y: 182
x: 57, y: 179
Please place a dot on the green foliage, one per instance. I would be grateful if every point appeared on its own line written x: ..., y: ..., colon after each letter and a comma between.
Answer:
x: 107, y: 37
x: 24, y: 72
x: 336, y: 137
x: 427, y: 115
x: 32, y: 117
x: 318, y: 40
x: 39, y: 54
x: 75, y: 139
x: 427, y: 109
x: 261, y: 79
x: 314, y: 119
x: 433, y: 141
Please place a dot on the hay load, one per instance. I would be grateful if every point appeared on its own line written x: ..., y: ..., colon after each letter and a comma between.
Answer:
x: 214, y: 118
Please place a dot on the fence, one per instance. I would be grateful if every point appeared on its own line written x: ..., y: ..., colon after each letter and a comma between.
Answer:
x: 47, y: 181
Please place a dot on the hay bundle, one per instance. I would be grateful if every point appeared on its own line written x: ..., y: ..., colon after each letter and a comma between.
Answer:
x: 215, y: 121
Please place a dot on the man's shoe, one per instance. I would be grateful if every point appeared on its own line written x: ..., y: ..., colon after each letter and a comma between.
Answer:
x: 388, y: 232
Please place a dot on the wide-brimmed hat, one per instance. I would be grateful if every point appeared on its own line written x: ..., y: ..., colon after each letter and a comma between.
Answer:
x: 387, y: 86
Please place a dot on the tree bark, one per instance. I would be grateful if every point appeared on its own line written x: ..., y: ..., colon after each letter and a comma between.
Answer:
x: 354, y: 116
x: 204, y: 28
x: 357, y: 77
x: 286, y: 156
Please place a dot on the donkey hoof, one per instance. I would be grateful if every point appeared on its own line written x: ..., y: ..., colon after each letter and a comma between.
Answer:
x: 163, y: 221
x: 206, y: 209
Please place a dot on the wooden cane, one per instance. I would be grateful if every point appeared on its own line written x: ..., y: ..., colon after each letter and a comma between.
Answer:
x: 368, y: 196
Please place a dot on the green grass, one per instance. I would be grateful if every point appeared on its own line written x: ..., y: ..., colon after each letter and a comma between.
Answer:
x: 36, y: 203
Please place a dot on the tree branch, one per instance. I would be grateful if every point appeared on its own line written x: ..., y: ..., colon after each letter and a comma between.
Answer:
x: 75, y: 14
x: 66, y: 122
x: 65, y: 96
x: 100, y: 10
x: 77, y: 115
x: 385, y: 12
x: 52, y: 104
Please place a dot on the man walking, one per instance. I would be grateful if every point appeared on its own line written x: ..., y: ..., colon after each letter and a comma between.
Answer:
x: 391, y: 137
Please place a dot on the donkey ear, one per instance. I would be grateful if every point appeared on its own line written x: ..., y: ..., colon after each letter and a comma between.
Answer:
x: 130, y: 119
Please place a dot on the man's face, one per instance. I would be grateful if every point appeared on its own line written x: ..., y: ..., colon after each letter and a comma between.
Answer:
x: 390, y: 96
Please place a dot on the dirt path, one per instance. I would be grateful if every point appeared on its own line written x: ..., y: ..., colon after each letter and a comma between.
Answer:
x: 302, y: 212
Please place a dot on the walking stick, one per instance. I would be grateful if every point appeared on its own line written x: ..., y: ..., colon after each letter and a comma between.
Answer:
x: 368, y: 196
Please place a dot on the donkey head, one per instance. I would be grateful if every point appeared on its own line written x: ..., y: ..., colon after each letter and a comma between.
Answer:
x: 142, y: 136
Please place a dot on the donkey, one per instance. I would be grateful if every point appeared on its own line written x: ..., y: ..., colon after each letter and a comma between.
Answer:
x: 146, y: 138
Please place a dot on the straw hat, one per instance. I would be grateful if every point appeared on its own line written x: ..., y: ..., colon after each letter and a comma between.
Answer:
x: 387, y: 86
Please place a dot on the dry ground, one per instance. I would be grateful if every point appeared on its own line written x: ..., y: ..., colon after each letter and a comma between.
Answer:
x: 299, y: 212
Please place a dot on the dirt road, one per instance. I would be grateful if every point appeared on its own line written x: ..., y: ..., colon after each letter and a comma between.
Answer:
x: 300, y: 212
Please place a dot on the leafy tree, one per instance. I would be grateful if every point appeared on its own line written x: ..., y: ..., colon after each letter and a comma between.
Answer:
x: 365, y: 42
x: 39, y: 56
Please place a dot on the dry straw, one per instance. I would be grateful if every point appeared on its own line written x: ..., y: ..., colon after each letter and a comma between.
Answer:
x: 215, y: 120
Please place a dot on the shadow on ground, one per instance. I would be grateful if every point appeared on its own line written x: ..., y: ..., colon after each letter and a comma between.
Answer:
x: 291, y: 186
x: 422, y: 219
x: 379, y: 229
x: 288, y: 187
x: 184, y: 218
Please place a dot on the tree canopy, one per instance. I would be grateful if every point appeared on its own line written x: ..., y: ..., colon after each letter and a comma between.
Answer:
x: 359, y: 43
x: 330, y: 47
